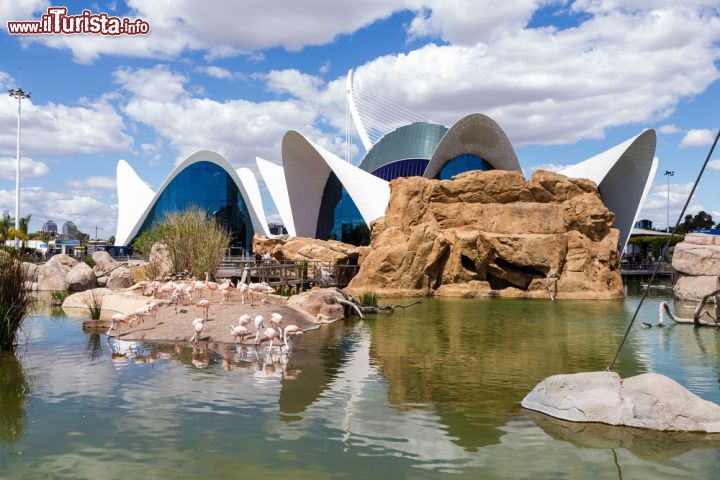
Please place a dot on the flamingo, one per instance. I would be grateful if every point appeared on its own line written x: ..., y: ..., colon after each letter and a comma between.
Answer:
x: 275, y: 319
x: 241, y: 332
x: 204, y: 305
x: 199, y: 286
x: 270, y: 333
x: 212, y: 286
x: 117, y: 319
x: 225, y: 296
x: 258, y: 325
x: 244, y: 290
x: 244, y: 320
x: 140, y: 314
x: 153, y: 309
x: 165, y: 290
x: 198, y: 324
x: 175, y: 298
x: 291, y: 331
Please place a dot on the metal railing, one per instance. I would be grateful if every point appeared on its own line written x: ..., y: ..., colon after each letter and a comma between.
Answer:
x: 287, y: 273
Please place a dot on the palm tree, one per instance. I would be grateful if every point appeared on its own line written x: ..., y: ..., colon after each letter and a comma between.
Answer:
x: 24, y: 222
x: 5, y: 227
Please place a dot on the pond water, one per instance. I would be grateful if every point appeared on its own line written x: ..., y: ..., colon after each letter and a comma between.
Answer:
x: 430, y: 392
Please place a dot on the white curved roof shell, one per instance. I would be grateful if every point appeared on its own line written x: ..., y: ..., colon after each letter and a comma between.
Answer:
x: 135, y: 199
x: 307, y: 167
x: 624, y: 175
x: 274, y: 177
x: 474, y: 134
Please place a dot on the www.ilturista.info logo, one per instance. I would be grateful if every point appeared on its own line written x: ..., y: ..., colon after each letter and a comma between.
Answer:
x: 57, y: 21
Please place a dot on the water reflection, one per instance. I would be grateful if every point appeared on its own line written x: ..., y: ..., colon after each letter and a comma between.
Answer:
x: 645, y: 444
x: 14, y: 392
x: 473, y: 368
x: 420, y: 393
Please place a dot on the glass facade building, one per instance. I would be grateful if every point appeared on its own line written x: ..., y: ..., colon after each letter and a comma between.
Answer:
x: 339, y: 217
x: 210, y: 187
x: 413, y: 167
x: 415, y: 141
x: 463, y: 163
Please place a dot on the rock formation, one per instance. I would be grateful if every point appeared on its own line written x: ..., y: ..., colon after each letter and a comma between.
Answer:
x: 493, y: 234
x: 298, y: 249
x: 53, y: 274
x: 81, y: 277
x: 697, y: 261
x: 649, y: 400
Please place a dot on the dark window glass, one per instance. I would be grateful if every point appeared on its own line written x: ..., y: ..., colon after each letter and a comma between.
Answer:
x: 339, y: 217
x: 413, y: 167
x: 463, y: 163
x: 211, y: 188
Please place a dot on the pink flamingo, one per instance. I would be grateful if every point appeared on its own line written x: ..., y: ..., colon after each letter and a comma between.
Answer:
x: 275, y: 320
x: 270, y: 333
x: 244, y: 320
x: 116, y: 320
x: 291, y: 331
x: 204, y: 305
x: 140, y: 314
x: 212, y: 286
x: 153, y: 309
x: 244, y: 290
x: 258, y: 325
x: 164, y: 290
x: 198, y: 324
x: 237, y: 331
x: 225, y: 296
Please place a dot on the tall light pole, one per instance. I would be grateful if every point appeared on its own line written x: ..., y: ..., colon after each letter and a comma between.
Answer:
x: 668, y: 174
x: 20, y: 94
x: 96, y: 229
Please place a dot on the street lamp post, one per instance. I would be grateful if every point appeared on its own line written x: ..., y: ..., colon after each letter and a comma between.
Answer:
x: 668, y: 174
x: 96, y: 229
x: 20, y: 94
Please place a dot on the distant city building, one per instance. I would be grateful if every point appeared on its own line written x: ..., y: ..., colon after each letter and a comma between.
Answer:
x: 69, y: 230
x: 645, y: 224
x: 50, y: 227
x: 277, y: 229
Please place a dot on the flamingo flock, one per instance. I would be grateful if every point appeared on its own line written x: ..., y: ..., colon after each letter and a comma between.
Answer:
x: 181, y: 295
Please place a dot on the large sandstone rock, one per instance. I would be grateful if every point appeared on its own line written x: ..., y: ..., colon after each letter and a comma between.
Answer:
x: 104, y: 263
x: 694, y: 288
x: 111, y: 302
x: 649, y: 401
x: 81, y: 277
x: 160, y: 261
x: 77, y: 303
x: 322, y: 304
x: 298, y: 249
x: 30, y: 271
x: 697, y: 261
x: 120, y: 278
x: 53, y: 274
x: 493, y: 234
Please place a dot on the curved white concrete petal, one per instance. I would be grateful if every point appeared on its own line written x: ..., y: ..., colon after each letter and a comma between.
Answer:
x: 134, y: 197
x: 200, y: 156
x: 274, y: 177
x: 307, y: 168
x: 249, y: 182
x: 474, y: 134
x: 623, y: 174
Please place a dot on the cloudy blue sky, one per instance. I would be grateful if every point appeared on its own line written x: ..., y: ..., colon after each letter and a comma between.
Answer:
x: 565, y: 79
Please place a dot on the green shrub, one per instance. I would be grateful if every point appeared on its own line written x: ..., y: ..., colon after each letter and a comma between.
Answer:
x: 369, y: 299
x: 89, y: 261
x: 195, y: 241
x: 94, y: 305
x: 59, y: 296
x: 16, y: 299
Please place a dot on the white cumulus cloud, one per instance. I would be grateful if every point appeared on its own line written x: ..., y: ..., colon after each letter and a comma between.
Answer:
x: 28, y: 168
x: 697, y: 138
